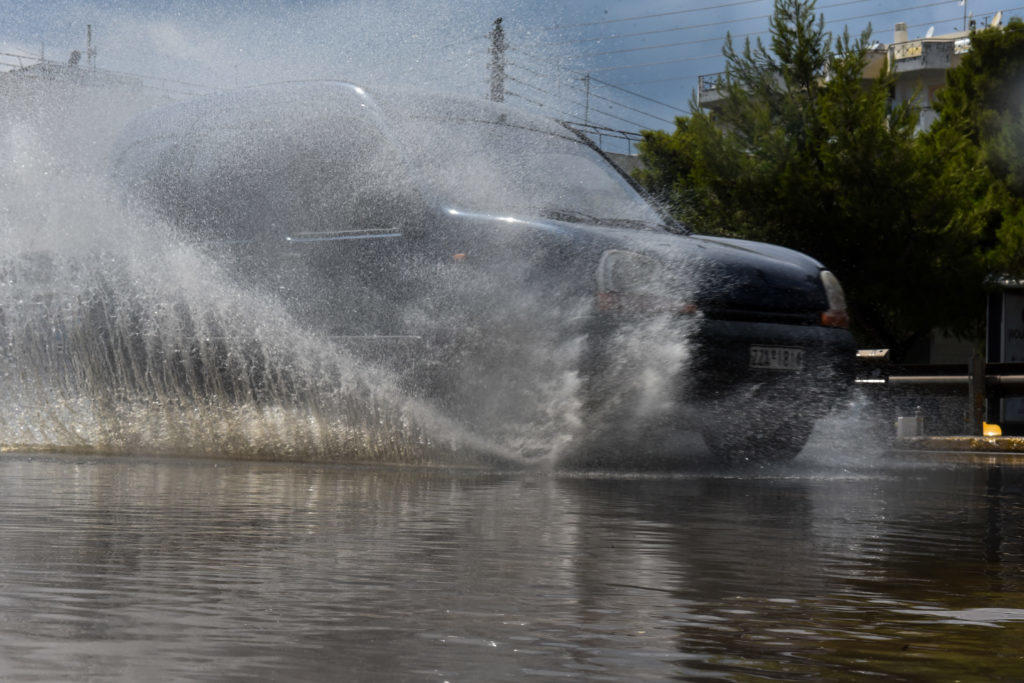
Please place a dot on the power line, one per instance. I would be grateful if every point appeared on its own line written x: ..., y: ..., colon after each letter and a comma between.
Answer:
x: 465, y: 41
x: 710, y: 40
x: 538, y: 73
x: 626, y: 106
x: 158, y: 78
x: 568, y: 72
x: 701, y: 57
x: 596, y: 95
x: 617, y: 102
x: 574, y: 75
x: 34, y: 58
x: 537, y: 103
x: 51, y: 62
x: 655, y: 31
x: 599, y: 111
x: 148, y: 86
x: 665, y: 80
x: 617, y: 118
x: 578, y: 74
x: 570, y: 119
x: 925, y: 23
x: 695, y: 9
x: 636, y: 94
x: 599, y: 96
x: 658, y: 47
x: 652, y: 16
x: 717, y: 55
x: 892, y: 11
x: 544, y: 60
x: 732, y: 21
x: 695, y: 42
x: 682, y: 28
x: 602, y: 130
x: 542, y: 105
x: 531, y: 86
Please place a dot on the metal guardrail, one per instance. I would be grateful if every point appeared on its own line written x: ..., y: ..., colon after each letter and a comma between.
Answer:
x: 975, y: 380
x: 999, y: 386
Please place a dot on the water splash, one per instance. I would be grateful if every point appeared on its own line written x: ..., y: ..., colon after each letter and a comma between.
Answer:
x: 117, y: 337
x: 120, y: 336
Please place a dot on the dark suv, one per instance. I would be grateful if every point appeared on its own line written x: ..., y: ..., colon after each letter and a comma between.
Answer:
x: 471, y: 232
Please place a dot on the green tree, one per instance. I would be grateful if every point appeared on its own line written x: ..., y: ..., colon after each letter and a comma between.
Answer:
x: 978, y: 147
x: 805, y: 152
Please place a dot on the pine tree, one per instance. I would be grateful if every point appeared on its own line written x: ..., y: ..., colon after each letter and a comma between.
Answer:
x: 805, y: 152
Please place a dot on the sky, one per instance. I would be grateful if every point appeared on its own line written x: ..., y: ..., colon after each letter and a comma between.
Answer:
x: 643, y: 57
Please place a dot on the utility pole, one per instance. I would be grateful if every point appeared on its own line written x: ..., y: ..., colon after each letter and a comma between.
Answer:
x: 586, y: 107
x: 90, y: 51
x: 498, y: 47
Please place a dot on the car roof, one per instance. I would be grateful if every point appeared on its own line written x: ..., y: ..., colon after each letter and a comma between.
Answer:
x: 294, y: 102
x: 424, y: 105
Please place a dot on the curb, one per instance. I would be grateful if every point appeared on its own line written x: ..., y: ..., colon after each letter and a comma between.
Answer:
x: 982, y: 450
x: 977, y: 444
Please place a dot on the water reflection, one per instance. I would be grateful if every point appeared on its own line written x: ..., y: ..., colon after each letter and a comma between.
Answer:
x: 138, y: 567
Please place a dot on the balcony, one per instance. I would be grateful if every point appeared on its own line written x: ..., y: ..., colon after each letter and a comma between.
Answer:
x: 708, y: 94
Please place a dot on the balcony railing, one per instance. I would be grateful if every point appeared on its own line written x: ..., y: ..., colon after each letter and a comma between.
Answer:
x: 710, y: 82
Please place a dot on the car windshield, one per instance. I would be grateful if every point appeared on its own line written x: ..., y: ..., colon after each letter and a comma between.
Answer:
x: 507, y: 168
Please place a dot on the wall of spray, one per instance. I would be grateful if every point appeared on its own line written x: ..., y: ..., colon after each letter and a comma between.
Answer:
x: 120, y: 335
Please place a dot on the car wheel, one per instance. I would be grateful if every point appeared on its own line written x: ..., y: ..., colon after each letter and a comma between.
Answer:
x: 761, y: 440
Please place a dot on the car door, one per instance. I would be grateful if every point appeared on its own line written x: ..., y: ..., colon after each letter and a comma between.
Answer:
x: 316, y: 214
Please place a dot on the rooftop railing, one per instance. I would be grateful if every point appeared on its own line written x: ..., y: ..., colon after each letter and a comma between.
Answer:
x: 928, y: 47
x: 710, y: 82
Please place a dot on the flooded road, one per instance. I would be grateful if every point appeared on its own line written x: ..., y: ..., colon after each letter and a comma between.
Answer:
x: 160, y: 568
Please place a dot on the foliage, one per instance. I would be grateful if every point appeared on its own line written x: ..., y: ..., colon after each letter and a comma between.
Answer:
x: 978, y: 141
x: 805, y: 152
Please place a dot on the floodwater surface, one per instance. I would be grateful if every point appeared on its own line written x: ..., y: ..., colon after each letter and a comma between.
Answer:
x: 144, y: 568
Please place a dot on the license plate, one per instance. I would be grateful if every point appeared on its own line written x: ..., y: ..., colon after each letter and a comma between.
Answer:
x: 777, y: 357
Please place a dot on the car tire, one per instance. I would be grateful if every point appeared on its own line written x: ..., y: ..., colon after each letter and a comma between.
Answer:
x: 761, y: 440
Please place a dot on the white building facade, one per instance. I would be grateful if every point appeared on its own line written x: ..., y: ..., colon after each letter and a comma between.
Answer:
x: 919, y: 67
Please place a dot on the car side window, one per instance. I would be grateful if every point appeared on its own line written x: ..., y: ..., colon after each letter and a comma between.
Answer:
x: 269, y: 180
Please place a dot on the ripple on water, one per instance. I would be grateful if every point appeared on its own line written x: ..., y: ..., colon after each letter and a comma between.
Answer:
x: 195, y: 568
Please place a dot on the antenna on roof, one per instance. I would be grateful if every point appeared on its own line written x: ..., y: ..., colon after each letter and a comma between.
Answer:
x: 930, y: 32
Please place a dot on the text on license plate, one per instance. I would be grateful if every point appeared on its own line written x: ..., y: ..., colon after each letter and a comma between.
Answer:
x: 777, y: 357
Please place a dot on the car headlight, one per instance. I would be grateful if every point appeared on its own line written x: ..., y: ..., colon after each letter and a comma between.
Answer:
x: 836, y: 315
x: 631, y: 282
